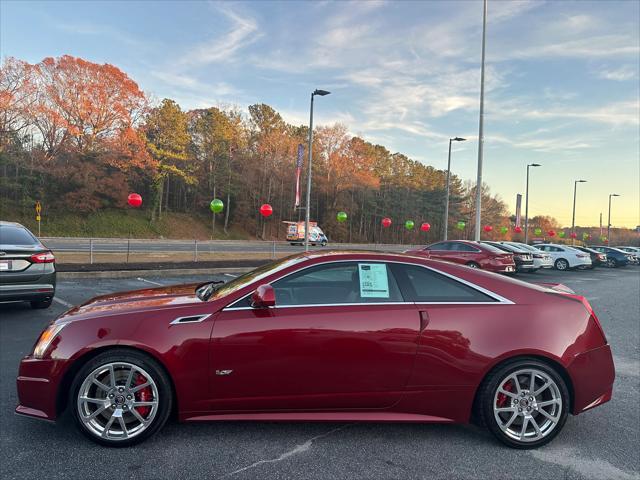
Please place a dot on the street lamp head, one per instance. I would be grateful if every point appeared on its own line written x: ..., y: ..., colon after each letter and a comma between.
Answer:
x: 581, y: 181
x: 322, y: 93
x: 459, y: 139
x: 614, y: 195
x: 535, y: 165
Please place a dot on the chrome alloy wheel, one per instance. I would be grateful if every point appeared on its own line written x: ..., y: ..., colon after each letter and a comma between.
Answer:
x: 117, y: 401
x: 527, y: 405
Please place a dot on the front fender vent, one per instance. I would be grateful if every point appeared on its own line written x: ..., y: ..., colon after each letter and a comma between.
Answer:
x: 190, y: 319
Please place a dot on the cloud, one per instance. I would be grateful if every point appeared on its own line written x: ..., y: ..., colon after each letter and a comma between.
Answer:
x: 621, y: 74
x: 244, y: 31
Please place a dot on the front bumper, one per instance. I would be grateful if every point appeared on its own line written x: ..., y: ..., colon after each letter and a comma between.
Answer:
x: 592, y: 374
x: 37, y: 385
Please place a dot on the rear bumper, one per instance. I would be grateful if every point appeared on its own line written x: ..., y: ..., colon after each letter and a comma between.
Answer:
x: 26, y: 291
x: 592, y: 374
x: 37, y: 385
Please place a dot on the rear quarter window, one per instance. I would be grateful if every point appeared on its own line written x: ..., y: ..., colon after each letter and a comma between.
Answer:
x: 420, y: 284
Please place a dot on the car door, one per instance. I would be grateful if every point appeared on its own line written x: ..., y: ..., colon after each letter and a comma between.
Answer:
x: 442, y: 251
x: 466, y: 253
x: 340, y: 336
x: 453, y: 314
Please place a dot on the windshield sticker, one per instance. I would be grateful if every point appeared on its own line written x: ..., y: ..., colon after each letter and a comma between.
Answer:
x: 373, y: 280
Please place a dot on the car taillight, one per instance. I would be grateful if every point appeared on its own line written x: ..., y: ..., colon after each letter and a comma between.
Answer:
x: 601, y: 256
x: 587, y: 305
x: 582, y: 255
x: 45, y: 257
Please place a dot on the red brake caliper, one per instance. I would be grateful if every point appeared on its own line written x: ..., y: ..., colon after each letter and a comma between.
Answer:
x: 144, y: 395
x: 502, y: 398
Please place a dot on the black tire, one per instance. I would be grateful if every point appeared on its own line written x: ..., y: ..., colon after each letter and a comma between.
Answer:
x: 472, y: 265
x: 141, y: 360
x: 561, y: 264
x: 42, y: 303
x: 488, y: 391
x: 534, y: 270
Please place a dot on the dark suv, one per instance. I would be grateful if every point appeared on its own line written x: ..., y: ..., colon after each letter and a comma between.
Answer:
x: 27, y: 267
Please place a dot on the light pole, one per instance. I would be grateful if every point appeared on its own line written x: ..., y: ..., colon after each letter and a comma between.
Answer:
x: 609, y: 218
x: 526, y: 204
x: 481, y: 127
x: 446, y: 202
x: 321, y: 93
x: 573, y: 217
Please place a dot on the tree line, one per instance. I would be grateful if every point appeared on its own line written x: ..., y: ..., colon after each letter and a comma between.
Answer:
x: 81, y: 136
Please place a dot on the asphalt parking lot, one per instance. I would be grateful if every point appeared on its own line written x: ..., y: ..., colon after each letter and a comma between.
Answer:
x: 599, y: 444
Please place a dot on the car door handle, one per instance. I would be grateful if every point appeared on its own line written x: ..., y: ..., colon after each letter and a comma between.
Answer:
x: 424, y: 320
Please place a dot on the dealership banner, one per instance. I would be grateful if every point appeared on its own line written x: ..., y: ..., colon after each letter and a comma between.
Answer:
x: 298, y: 171
x: 518, y: 207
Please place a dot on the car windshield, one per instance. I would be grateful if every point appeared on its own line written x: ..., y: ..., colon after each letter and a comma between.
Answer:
x: 492, y: 249
x: 11, y: 235
x: 525, y: 247
x: 252, y: 276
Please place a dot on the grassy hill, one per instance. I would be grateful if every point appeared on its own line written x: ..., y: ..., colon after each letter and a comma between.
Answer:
x: 121, y: 223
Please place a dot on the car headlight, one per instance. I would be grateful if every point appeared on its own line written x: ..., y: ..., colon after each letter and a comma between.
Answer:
x: 46, y: 337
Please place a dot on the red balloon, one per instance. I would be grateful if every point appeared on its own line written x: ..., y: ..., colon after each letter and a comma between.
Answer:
x: 488, y: 228
x: 425, y: 227
x: 134, y: 200
x: 518, y: 229
x: 573, y: 235
x: 386, y: 222
x: 551, y: 233
x: 266, y: 210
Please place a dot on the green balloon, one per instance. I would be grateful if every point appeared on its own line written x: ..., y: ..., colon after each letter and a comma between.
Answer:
x: 216, y: 205
x: 504, y: 230
x: 561, y: 234
x: 461, y: 225
x: 538, y: 231
x: 409, y: 224
x: 585, y: 236
x: 341, y: 216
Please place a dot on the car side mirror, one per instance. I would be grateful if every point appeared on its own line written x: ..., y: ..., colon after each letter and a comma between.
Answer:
x: 263, y: 297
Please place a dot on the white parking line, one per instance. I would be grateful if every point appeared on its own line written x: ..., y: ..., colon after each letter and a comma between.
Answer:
x: 149, y: 281
x: 62, y: 302
x: 231, y: 275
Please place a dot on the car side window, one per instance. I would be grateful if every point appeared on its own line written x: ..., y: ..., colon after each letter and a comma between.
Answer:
x: 440, y: 246
x: 463, y: 247
x: 420, y: 284
x: 336, y: 283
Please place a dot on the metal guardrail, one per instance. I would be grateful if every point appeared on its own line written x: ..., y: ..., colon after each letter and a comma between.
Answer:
x: 129, y: 247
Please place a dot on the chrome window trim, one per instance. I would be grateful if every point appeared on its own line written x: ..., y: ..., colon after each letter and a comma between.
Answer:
x: 200, y: 317
x: 499, y: 299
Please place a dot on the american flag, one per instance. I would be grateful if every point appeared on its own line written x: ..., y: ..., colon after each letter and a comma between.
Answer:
x: 298, y: 170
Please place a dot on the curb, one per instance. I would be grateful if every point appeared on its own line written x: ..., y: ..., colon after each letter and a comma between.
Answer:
x: 138, y: 273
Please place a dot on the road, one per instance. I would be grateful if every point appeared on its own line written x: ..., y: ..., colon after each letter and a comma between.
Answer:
x: 599, y: 444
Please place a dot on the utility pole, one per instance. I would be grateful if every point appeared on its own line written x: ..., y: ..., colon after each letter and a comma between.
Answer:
x: 481, y: 128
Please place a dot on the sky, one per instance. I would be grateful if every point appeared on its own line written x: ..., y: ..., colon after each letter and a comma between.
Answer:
x: 562, y: 78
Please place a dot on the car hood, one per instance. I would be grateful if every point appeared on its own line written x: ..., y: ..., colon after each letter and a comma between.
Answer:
x: 135, y: 301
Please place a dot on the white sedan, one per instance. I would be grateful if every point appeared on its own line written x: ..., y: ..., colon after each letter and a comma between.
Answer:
x: 565, y: 257
x: 540, y: 259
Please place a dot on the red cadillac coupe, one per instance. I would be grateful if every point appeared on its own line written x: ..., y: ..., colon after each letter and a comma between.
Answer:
x: 336, y: 336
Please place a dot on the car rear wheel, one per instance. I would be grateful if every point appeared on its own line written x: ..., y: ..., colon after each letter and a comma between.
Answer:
x: 473, y: 265
x: 524, y: 403
x: 43, y: 303
x: 561, y: 264
x: 120, y: 398
x: 612, y: 263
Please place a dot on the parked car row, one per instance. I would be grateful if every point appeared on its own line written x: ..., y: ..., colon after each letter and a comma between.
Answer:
x: 509, y: 257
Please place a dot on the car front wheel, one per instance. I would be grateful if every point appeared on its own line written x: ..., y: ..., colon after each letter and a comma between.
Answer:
x: 473, y: 265
x: 524, y: 403
x: 120, y: 398
x: 611, y: 263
